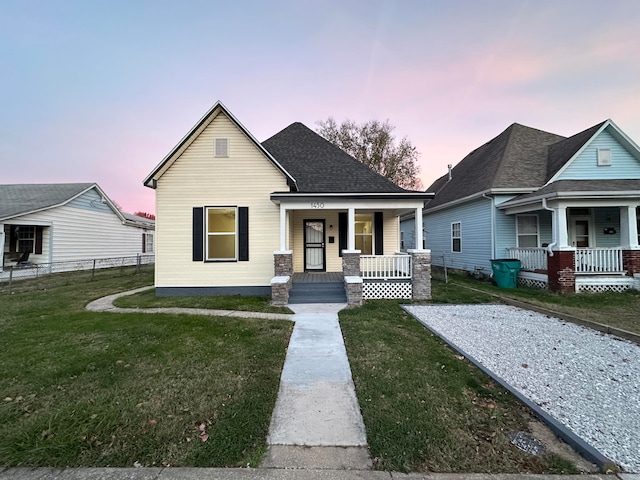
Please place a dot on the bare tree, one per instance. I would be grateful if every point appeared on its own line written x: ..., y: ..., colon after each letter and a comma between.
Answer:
x: 150, y: 216
x: 374, y: 144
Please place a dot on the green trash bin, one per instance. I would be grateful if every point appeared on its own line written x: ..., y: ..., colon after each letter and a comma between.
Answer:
x: 505, y: 272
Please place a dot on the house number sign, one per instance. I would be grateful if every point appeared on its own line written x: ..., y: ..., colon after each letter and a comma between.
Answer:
x: 317, y: 204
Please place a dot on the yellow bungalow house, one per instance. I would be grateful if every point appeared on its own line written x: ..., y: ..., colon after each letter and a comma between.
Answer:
x: 294, y: 216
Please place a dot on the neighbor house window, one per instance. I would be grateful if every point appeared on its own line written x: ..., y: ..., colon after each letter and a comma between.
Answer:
x: 221, y: 147
x: 221, y: 228
x: 26, y: 239
x: 401, y: 240
x: 147, y: 243
x: 364, y: 234
x: 456, y: 237
x: 527, y: 231
x: 604, y: 157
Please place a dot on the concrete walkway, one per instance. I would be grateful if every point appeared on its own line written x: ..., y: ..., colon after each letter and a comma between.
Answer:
x: 317, y: 405
x: 105, y: 304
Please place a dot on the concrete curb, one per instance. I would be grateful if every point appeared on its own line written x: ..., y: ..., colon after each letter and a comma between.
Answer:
x: 182, y: 473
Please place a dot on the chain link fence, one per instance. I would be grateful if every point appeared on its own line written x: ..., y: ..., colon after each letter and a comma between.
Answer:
x: 24, y: 278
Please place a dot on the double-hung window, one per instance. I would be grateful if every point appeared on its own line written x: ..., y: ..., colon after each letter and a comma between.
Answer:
x: 221, y: 232
x: 456, y: 237
x: 26, y: 239
x: 527, y: 231
x: 364, y: 234
x: 147, y: 243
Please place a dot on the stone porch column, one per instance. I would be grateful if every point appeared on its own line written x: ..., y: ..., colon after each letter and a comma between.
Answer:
x: 352, y: 277
x: 421, y: 271
x: 281, y: 282
x: 561, y: 271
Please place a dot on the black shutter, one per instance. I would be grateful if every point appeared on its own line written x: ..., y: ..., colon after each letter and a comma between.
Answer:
x: 38, y: 241
x: 144, y: 243
x: 13, y: 239
x: 377, y: 229
x: 198, y: 234
x: 343, y: 229
x: 243, y: 234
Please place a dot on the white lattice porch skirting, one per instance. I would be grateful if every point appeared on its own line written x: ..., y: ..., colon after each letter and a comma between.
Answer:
x: 376, y: 289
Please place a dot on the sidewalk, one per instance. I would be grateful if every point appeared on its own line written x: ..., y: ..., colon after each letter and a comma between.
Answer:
x: 269, y: 474
x: 317, y: 405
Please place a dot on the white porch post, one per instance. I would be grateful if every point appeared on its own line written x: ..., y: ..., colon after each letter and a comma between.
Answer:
x: 560, y: 230
x: 419, y: 229
x: 351, y: 237
x: 628, y: 228
x: 283, y: 228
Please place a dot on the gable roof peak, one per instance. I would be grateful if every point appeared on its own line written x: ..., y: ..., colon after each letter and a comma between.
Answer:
x: 196, y: 130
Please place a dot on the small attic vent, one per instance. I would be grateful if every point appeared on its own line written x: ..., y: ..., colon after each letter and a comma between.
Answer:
x: 604, y: 157
x: 221, y: 147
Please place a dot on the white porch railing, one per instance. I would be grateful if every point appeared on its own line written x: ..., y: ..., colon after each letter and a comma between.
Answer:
x: 388, y: 267
x: 599, y: 260
x: 530, y: 258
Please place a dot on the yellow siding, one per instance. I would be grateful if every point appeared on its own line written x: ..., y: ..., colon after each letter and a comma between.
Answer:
x: 198, y: 179
x: 391, y: 233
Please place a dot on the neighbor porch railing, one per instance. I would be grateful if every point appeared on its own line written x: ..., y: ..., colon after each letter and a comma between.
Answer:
x: 530, y: 258
x: 386, y: 267
x: 599, y: 260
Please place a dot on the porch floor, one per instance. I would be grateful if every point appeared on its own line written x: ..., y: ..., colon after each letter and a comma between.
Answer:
x: 318, y: 277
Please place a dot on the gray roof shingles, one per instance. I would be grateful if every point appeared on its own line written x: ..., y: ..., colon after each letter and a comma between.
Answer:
x: 561, y: 152
x: 516, y: 158
x: 321, y: 167
x: 24, y: 198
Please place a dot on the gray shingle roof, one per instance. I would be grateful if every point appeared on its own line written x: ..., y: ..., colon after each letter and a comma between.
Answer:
x: 321, y: 167
x: 561, y: 152
x: 517, y: 158
x: 24, y: 198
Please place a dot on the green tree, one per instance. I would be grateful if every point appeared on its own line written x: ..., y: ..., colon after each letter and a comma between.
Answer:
x: 374, y: 144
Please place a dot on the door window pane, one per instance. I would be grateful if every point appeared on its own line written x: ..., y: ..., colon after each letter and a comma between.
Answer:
x: 582, y: 233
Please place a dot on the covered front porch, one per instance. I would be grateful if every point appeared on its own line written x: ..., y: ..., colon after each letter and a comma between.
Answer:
x: 577, y: 245
x: 23, y: 244
x: 355, y: 236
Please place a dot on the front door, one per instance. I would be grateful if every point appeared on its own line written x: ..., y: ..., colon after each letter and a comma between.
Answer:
x: 581, y: 233
x: 314, y: 248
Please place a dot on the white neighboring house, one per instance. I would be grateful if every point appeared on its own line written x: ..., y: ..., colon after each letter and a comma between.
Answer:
x: 67, y: 222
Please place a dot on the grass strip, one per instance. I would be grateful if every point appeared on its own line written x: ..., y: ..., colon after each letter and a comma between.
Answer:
x: 147, y: 299
x: 425, y: 408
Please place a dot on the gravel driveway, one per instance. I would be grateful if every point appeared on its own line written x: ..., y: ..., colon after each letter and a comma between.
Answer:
x: 587, y: 380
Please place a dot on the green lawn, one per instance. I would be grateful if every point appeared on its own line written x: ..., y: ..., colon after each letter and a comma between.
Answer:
x: 147, y: 299
x: 96, y: 389
x: 426, y: 409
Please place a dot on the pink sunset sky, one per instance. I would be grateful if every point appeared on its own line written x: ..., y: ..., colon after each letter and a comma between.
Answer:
x: 101, y: 91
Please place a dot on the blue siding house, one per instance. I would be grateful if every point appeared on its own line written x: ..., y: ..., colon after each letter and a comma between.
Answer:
x: 567, y: 208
